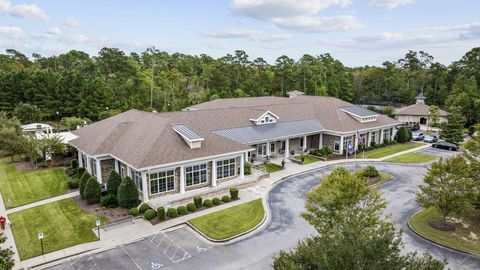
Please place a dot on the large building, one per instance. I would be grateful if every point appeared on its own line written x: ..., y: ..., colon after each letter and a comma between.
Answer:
x: 208, y: 144
x: 419, y: 113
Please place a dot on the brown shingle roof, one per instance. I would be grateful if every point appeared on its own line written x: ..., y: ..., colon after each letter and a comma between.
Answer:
x: 419, y: 109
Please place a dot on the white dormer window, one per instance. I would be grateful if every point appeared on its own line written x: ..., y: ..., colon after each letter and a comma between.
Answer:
x: 360, y: 114
x: 266, y: 118
x: 193, y: 139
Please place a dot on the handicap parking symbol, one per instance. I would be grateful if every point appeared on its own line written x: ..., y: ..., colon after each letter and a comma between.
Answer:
x: 201, y: 249
x: 156, y: 265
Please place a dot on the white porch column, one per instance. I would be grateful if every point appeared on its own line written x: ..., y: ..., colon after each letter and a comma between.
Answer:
x: 242, y: 167
x: 320, y: 142
x: 369, y: 138
x: 268, y: 149
x: 287, y: 148
x: 182, y: 179
x: 214, y: 173
x: 381, y: 135
x: 391, y: 134
x: 341, y: 145
x: 89, y: 167
x: 115, y: 162
x: 80, y: 159
x: 99, y: 171
x: 129, y: 172
x: 144, y: 187
x: 355, y: 143
x: 304, y: 143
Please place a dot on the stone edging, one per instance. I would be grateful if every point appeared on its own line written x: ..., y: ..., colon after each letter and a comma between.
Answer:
x: 436, y: 242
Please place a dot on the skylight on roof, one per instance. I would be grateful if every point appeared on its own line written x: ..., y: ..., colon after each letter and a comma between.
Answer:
x: 193, y: 139
x: 361, y: 114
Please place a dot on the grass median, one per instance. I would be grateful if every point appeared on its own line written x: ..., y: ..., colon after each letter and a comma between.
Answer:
x: 63, y: 223
x: 20, y: 187
x: 232, y: 221
x: 389, y: 150
x: 308, y: 159
x: 412, y: 158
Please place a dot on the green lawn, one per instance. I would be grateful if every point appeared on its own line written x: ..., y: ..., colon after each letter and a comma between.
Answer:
x: 271, y: 168
x: 461, y: 238
x: 412, y: 158
x: 23, y: 187
x: 231, y: 221
x: 63, y: 223
x: 389, y: 150
x: 308, y: 159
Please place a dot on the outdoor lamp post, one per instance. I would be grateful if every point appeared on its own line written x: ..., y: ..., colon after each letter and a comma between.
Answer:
x: 98, y: 223
x: 58, y: 122
x: 40, y: 236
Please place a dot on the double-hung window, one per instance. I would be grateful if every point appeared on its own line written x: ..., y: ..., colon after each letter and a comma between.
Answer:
x: 137, y: 178
x: 196, y: 174
x: 162, y: 182
x: 300, y: 145
x: 225, y: 168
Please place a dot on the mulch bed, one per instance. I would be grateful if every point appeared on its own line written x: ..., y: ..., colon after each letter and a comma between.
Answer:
x: 97, y: 209
x: 441, y: 225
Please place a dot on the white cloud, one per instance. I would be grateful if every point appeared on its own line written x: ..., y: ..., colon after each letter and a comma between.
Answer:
x: 389, y: 4
x: 54, y: 31
x: 71, y: 22
x: 250, y: 34
x: 23, y: 10
x: 11, y: 31
x: 297, y: 15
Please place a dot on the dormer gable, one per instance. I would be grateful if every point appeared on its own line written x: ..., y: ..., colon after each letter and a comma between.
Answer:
x: 266, y: 118
x: 360, y: 114
x: 193, y: 139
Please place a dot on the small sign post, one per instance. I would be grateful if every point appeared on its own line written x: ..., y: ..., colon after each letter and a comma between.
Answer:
x: 40, y: 236
x: 97, y: 222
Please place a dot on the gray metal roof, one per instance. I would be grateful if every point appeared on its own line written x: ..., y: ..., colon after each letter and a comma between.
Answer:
x: 359, y: 111
x: 186, y: 132
x: 265, y: 132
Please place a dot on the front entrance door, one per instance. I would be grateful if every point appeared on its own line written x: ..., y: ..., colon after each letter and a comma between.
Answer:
x: 262, y: 150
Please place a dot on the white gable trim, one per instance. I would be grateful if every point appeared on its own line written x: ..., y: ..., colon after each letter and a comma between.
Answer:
x: 265, y: 114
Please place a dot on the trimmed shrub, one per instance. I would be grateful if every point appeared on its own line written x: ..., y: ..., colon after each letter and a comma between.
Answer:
x: 234, y: 193
x: 216, y: 201
x: 73, y: 183
x: 370, y: 171
x: 161, y: 213
x: 113, y: 182
x: 172, y: 212
x: 182, y: 210
x: 127, y: 193
x: 134, y: 211
x: 191, y: 207
x: 109, y: 201
x: 402, y: 135
x: 226, y: 199
x: 143, y: 208
x: 197, y: 201
x: 74, y: 164
x: 247, y: 169
x: 149, y: 214
x: 82, y: 183
x: 207, y: 203
x: 80, y: 171
x: 93, y: 191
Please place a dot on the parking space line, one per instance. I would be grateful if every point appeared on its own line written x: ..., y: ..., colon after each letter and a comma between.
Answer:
x: 130, y: 257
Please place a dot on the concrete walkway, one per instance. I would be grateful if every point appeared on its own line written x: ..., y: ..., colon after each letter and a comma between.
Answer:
x: 49, y: 200
x: 10, y: 243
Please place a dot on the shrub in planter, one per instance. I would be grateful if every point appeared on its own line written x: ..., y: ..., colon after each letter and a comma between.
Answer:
x: 93, y: 191
x: 127, y: 193
x: 182, y: 210
x: 226, y: 199
x: 197, y: 201
x: 83, y: 181
x: 172, y: 212
x: 234, y: 193
x: 73, y: 183
x: 149, y: 214
x: 134, y: 211
x: 161, y: 213
x: 370, y: 171
x: 143, y: 208
x: 109, y: 201
x: 113, y: 182
x: 191, y: 207
x: 216, y: 201
x: 207, y: 203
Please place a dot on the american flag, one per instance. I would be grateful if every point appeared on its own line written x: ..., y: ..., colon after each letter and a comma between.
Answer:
x: 359, y: 139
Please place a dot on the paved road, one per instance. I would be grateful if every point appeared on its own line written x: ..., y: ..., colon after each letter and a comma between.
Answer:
x: 182, y: 249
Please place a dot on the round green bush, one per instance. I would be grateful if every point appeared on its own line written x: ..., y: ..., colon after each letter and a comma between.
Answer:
x: 73, y: 183
x: 161, y: 213
x: 92, y: 191
x: 172, y: 212
x: 182, y: 210
x: 207, y: 203
x: 127, y: 193
x: 109, y: 201
x: 197, y: 201
x: 83, y: 181
x: 191, y: 207
x: 370, y: 171
x: 226, y: 199
x: 134, y: 211
x: 143, y: 208
x: 80, y: 171
x: 216, y: 201
x: 234, y: 193
x: 113, y: 182
x: 149, y: 214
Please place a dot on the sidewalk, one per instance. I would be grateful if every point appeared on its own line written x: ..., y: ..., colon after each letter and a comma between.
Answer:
x: 8, y: 232
x: 49, y: 200
x: 141, y: 228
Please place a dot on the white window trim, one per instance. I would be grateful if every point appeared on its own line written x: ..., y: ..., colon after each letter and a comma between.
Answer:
x: 223, y: 165
x: 136, y: 174
x: 158, y: 180
x: 206, y: 174
x: 274, y: 147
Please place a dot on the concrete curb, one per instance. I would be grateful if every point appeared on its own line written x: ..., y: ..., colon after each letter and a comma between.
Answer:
x: 436, y: 242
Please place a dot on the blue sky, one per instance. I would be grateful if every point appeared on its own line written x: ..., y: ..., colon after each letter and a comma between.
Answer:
x: 363, y: 32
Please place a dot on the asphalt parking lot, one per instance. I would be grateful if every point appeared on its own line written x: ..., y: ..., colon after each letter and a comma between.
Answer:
x: 183, y: 249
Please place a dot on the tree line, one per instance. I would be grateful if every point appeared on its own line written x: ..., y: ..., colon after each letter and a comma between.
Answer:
x: 95, y: 87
